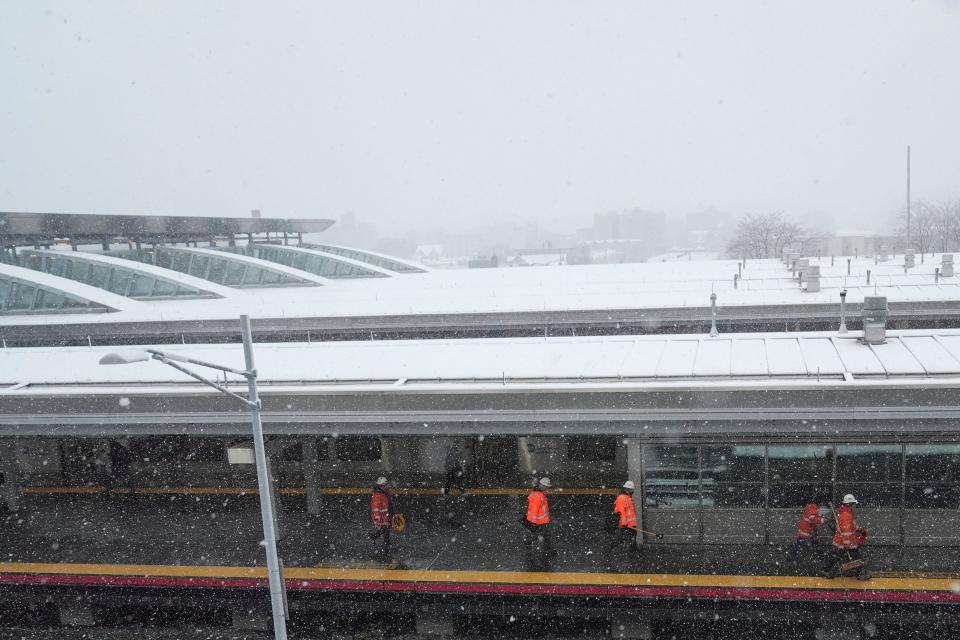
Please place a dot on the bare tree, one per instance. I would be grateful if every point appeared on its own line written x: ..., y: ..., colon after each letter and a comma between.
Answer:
x: 923, y: 226
x: 766, y: 235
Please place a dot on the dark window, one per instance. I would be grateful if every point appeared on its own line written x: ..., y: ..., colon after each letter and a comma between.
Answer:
x: 671, y: 477
x: 799, y: 474
x: 873, y: 473
x: 358, y: 448
x: 161, y: 449
x: 732, y: 476
x: 592, y: 448
x: 933, y: 476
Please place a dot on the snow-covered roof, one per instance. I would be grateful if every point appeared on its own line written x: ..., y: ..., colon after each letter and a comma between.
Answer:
x: 825, y: 357
x: 682, y: 285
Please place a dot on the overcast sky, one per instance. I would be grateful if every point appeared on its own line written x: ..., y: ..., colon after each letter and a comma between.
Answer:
x: 414, y: 114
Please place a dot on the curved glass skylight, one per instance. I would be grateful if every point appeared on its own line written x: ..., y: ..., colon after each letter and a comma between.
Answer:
x: 311, y: 260
x: 376, y: 259
x: 21, y: 296
x: 93, y: 270
x: 220, y: 267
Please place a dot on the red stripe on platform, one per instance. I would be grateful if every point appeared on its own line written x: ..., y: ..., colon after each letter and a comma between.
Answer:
x: 712, y: 593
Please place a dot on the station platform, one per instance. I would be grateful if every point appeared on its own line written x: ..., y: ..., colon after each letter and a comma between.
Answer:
x: 188, y: 538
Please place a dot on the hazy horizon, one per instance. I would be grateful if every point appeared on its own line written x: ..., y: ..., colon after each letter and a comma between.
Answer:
x: 448, y: 115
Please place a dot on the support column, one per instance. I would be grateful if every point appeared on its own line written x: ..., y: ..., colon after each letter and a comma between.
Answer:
x: 279, y: 519
x: 311, y: 475
x: 635, y: 473
x: 11, y: 474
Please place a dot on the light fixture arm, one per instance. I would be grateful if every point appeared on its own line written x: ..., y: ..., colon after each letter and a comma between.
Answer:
x: 158, y: 355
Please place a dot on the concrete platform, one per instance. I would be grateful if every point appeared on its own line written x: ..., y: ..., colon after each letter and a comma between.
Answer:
x: 471, y: 533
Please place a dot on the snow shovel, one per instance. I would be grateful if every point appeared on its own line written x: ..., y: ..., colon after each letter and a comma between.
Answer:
x: 398, y: 523
x: 658, y: 536
x: 851, y: 564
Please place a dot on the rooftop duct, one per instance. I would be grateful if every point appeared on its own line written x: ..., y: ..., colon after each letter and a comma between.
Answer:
x: 875, y: 319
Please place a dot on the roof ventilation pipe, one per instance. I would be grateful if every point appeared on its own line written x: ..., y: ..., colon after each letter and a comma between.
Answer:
x: 843, y: 311
x: 946, y: 265
x: 882, y: 256
x: 803, y: 266
x: 713, y: 316
x: 909, y: 260
x: 813, y: 278
x: 875, y: 319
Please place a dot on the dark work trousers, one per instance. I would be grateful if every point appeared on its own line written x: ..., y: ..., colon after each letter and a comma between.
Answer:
x: 382, y: 531
x: 798, y: 544
x: 623, y: 535
x: 454, y: 478
x: 538, y: 541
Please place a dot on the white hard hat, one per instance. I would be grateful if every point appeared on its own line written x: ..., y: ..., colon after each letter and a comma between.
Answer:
x: 381, y: 481
x: 545, y: 482
x: 849, y: 499
x: 629, y: 485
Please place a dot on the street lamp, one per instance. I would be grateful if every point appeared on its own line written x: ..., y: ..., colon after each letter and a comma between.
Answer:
x: 252, y: 401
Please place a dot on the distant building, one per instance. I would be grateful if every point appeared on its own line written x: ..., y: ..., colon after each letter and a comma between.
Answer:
x: 627, y: 236
x: 849, y: 243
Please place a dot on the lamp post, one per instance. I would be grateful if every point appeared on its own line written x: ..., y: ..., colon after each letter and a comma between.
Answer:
x: 252, y: 402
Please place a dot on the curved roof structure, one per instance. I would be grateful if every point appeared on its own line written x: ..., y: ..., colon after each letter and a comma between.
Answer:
x: 222, y: 267
x: 317, y: 262
x: 24, y: 291
x: 122, y: 277
x: 369, y: 257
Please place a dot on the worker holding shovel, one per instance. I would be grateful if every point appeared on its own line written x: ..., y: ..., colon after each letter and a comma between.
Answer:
x: 849, y: 537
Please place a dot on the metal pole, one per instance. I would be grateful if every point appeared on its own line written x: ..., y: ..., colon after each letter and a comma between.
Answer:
x: 277, y: 596
x: 713, y: 316
x: 843, y: 311
x: 908, y: 197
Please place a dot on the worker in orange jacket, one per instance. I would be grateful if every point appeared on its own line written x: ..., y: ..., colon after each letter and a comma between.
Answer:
x: 847, y: 541
x: 381, y: 512
x: 537, y: 520
x: 625, y: 514
x: 810, y: 520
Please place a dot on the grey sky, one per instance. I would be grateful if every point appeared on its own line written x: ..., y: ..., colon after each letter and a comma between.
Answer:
x: 417, y: 114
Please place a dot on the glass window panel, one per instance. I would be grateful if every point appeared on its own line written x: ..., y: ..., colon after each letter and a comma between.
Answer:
x: 872, y: 494
x: 218, y: 270
x: 21, y: 297
x: 732, y: 494
x: 801, y: 463
x: 198, y: 267
x: 932, y: 495
x: 142, y: 286
x: 869, y: 463
x: 358, y: 448
x: 120, y: 281
x: 798, y: 494
x: 733, y: 464
x: 5, y: 287
x: 234, y: 274
x: 592, y: 448
x: 164, y: 288
x: 181, y: 262
x: 99, y: 274
x: 671, y: 476
x: 933, y: 462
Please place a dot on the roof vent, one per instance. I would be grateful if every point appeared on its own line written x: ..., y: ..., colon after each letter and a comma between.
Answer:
x: 875, y: 319
x: 909, y: 260
x: 946, y: 265
x: 812, y: 274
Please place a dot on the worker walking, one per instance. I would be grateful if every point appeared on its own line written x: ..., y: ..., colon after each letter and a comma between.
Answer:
x: 381, y: 512
x: 537, y: 520
x: 847, y: 541
x: 625, y: 517
x: 812, y: 517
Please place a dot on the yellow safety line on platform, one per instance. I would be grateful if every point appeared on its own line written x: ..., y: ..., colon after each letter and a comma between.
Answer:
x: 293, y: 491
x: 494, y: 577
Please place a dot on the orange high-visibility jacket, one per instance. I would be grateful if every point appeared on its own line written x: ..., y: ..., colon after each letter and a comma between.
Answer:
x: 849, y: 535
x: 538, y: 511
x: 380, y: 509
x: 809, y: 521
x: 628, y: 512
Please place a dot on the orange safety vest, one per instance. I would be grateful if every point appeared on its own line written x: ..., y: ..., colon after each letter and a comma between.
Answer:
x: 848, y: 535
x: 628, y: 512
x: 538, y: 511
x: 809, y: 521
x: 380, y: 509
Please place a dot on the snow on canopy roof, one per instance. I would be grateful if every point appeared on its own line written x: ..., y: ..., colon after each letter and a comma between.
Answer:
x: 371, y: 257
x: 641, y: 286
x: 820, y: 356
x: 70, y: 289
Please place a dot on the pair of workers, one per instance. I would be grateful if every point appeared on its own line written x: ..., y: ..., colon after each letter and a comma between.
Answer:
x: 537, y: 520
x: 848, y: 537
